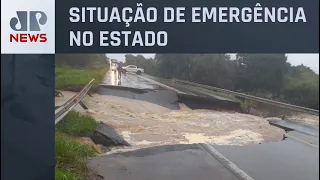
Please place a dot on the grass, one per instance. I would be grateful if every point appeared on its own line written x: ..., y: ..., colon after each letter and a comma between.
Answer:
x: 70, y: 155
x: 76, y: 124
x: 66, y: 175
x: 68, y: 77
x: 71, y: 158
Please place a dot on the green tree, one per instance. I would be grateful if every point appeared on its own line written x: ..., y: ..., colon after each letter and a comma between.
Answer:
x: 210, y: 69
x: 261, y: 72
x: 302, y: 87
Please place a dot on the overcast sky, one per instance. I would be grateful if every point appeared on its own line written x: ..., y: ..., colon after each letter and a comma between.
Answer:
x: 310, y: 60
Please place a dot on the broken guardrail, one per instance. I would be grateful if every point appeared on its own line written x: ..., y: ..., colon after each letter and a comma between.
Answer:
x: 254, y: 98
x: 71, y: 103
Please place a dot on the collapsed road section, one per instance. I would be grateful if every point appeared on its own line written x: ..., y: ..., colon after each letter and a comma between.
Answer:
x: 169, y: 98
x: 133, y: 86
x: 146, y: 124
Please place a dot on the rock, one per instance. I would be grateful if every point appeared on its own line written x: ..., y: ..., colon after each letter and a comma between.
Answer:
x: 107, y: 136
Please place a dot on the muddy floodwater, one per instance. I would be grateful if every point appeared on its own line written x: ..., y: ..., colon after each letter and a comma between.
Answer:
x: 144, y: 124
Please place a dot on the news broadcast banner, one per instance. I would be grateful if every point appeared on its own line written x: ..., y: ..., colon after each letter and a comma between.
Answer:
x: 205, y: 26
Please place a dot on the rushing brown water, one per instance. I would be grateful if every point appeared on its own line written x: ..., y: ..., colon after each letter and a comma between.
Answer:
x: 144, y: 124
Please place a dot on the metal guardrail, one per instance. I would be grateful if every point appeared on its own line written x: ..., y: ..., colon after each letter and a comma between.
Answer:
x: 254, y: 98
x: 71, y: 103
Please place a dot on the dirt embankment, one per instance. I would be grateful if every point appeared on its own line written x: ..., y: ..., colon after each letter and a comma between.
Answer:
x: 143, y: 124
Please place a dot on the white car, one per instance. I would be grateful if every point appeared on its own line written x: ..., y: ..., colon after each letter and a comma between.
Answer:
x: 133, y: 69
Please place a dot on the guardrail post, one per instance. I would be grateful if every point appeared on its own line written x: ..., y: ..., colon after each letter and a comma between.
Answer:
x: 72, y: 102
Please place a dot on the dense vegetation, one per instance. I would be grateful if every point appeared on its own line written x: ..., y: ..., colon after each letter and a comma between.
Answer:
x: 265, y: 75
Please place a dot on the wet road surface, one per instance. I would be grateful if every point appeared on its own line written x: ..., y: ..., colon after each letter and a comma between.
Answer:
x: 312, y: 140
x: 145, y: 81
x: 129, y: 80
x: 311, y: 130
x: 284, y: 160
x: 185, y: 162
x: 308, y: 134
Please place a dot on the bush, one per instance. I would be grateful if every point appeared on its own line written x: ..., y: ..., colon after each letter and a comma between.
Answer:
x: 72, y: 77
x: 247, y: 104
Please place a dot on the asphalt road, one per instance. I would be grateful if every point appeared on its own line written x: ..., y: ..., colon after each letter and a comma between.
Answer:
x: 285, y: 160
x: 295, y: 158
x: 174, y: 162
x: 310, y: 130
x: 129, y: 80
x: 145, y: 81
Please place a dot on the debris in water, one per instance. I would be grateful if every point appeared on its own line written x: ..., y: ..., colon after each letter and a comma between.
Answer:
x: 237, y: 137
x: 106, y: 136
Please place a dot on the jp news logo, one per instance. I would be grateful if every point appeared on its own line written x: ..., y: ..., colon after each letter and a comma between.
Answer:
x: 29, y: 29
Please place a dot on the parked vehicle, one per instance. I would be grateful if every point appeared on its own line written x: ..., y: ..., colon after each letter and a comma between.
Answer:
x: 132, y: 69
